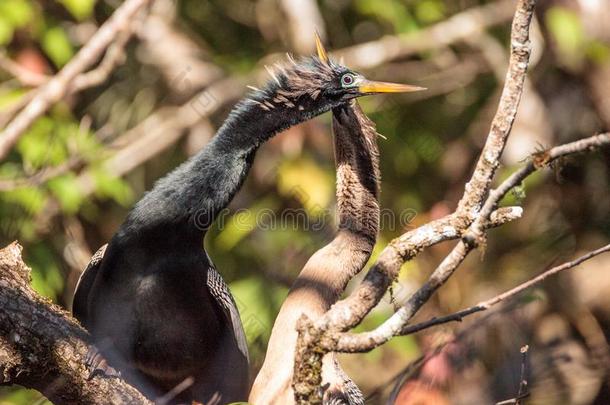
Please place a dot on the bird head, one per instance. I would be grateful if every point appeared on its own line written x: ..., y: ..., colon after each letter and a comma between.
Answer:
x: 347, y: 84
x: 316, y: 84
x: 300, y: 90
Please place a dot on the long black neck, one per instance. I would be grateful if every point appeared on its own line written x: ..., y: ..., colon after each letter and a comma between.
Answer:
x: 189, y: 199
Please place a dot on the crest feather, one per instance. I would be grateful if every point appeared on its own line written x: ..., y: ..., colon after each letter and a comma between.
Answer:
x: 320, y: 49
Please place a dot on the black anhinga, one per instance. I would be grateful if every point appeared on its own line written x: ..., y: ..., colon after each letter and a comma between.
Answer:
x: 157, y: 309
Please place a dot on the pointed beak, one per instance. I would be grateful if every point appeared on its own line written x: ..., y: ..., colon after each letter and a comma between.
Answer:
x: 372, y: 87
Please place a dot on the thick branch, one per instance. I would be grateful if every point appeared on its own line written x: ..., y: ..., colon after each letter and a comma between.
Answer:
x: 43, y: 348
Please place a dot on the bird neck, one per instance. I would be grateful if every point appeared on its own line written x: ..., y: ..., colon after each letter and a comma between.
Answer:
x: 264, y: 114
x: 326, y: 274
x: 190, y: 198
x: 358, y: 185
x: 358, y: 175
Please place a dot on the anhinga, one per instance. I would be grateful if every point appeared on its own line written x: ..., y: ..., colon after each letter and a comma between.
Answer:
x: 326, y: 274
x: 156, y: 308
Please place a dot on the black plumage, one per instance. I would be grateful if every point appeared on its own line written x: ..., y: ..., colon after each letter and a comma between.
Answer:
x: 156, y: 307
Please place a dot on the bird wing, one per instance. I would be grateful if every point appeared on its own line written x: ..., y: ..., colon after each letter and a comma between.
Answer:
x: 220, y: 291
x: 84, y: 284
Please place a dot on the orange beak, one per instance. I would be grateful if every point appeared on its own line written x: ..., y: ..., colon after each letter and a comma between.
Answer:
x: 372, y: 87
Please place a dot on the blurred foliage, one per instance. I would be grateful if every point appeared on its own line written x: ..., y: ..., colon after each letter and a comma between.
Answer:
x: 432, y: 143
x: 573, y: 44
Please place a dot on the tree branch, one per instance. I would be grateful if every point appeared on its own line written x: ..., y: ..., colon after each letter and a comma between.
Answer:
x: 43, y: 348
x: 349, y: 312
x: 323, y: 335
x: 485, y: 305
x: 65, y: 81
x: 522, y: 380
x: 397, y: 324
x: 454, y: 29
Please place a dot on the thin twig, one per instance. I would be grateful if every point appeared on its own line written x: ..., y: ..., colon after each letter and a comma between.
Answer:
x: 523, y: 384
x: 523, y: 393
x: 24, y: 76
x: 58, y: 86
x: 174, y: 392
x: 113, y: 57
x: 485, y: 305
x: 454, y: 29
x: 42, y: 176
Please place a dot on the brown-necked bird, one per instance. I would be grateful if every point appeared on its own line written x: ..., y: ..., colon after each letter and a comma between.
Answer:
x: 158, y: 311
x: 328, y: 271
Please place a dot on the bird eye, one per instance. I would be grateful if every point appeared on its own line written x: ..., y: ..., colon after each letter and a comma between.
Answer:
x: 347, y: 80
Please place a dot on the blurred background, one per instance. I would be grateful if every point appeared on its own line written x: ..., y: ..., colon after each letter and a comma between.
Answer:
x: 70, y: 181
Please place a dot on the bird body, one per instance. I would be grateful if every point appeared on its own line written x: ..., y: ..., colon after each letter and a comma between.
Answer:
x: 156, y: 307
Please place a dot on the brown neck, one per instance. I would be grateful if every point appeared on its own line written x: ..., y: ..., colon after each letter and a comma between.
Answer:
x: 328, y: 271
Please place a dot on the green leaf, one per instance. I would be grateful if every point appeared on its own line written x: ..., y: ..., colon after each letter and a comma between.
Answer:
x: 57, y: 46
x: 598, y: 52
x: 85, y: 144
x: 66, y: 190
x: 427, y: 146
x: 392, y: 11
x: 16, y: 12
x: 80, y: 9
x: 40, y: 145
x: 429, y: 11
x: 31, y: 199
x: 109, y: 186
x: 235, y: 228
x: 13, y: 95
x: 47, y: 279
x: 304, y: 180
x: 18, y: 395
x: 568, y: 34
x: 6, y: 31
x: 252, y: 296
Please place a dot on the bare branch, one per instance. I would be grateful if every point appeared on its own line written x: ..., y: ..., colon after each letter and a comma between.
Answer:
x: 349, y: 312
x: 315, y: 338
x: 115, y: 55
x: 501, y: 125
x: 475, y: 236
x: 456, y: 28
x: 522, y: 393
x: 60, y: 84
x: 396, y: 324
x: 485, y: 305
